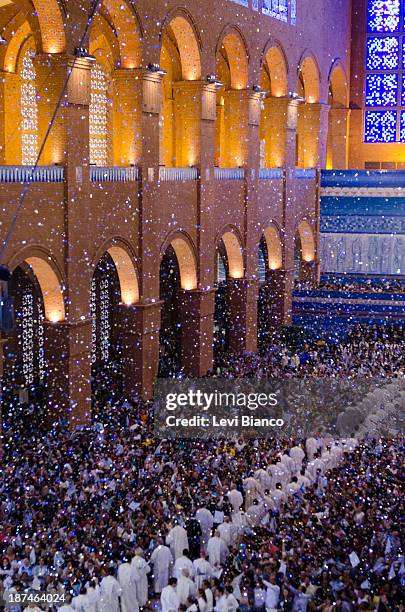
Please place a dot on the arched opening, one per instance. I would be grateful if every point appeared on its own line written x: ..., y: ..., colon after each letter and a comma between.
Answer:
x: 337, y: 143
x: 106, y: 349
x: 273, y: 117
x: 179, y: 120
x: 222, y: 315
x: 308, y: 126
x: 304, y: 254
x: 29, y: 30
x: 229, y: 266
x: 24, y: 377
x: 170, y: 323
x: 270, y: 260
x: 36, y: 294
x: 115, y: 104
x: 231, y: 127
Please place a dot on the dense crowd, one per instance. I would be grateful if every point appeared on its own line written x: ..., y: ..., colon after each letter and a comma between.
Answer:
x: 117, y: 519
x: 366, y: 286
x: 112, y: 516
x: 365, y: 352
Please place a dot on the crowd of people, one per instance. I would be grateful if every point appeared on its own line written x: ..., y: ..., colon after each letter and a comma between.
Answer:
x: 111, y: 517
x: 354, y: 286
x: 116, y: 519
x: 367, y: 351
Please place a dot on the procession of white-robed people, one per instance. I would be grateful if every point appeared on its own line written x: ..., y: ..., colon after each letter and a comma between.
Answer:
x: 116, y: 519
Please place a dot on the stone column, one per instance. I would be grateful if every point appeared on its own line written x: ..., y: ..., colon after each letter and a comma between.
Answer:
x: 338, y: 138
x: 279, y: 287
x: 274, y: 124
x: 139, y: 331
x: 52, y: 72
x: 68, y: 359
x: 127, y: 116
x: 313, y: 130
x: 242, y: 302
x: 188, y: 109
x: 197, y: 313
x: 236, y: 121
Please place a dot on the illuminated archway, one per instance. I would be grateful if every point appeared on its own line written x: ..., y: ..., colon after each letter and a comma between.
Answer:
x: 274, y: 247
x: 232, y: 111
x: 179, y: 124
x: 308, y: 128
x: 337, y: 143
x: 126, y: 273
x: 307, y: 239
x: 270, y: 260
x: 273, y: 117
x: 304, y: 253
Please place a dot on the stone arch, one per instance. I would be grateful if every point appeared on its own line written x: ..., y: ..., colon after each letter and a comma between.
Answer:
x: 46, y: 21
x: 233, y: 48
x: 274, y: 246
x: 234, y: 252
x: 123, y: 258
x: 49, y: 279
x: 186, y: 259
x: 104, y: 43
x: 179, y: 27
x: 274, y: 70
x: 126, y: 26
x: 309, y: 76
x: 338, y: 88
x: 307, y: 239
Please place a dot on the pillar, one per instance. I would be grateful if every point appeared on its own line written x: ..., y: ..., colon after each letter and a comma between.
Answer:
x: 197, y: 320
x: 313, y: 129
x: 236, y: 120
x: 278, y: 291
x: 338, y: 138
x: 68, y: 357
x: 242, y: 302
x: 12, y: 119
x: 273, y: 129
x: 52, y: 72
x: 188, y: 106
x: 127, y: 116
x: 139, y: 326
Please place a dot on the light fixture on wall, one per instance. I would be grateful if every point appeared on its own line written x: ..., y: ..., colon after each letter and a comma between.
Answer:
x: 212, y: 80
x: 262, y: 92
x: 296, y: 97
x: 156, y: 69
x: 83, y: 53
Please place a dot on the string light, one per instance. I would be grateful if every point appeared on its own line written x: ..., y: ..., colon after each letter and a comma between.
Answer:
x: 29, y: 110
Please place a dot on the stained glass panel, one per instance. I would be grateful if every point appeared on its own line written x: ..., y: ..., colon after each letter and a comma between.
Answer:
x: 382, y: 89
x: 276, y: 8
x: 382, y: 53
x: 402, y: 127
x: 380, y: 126
x: 383, y: 15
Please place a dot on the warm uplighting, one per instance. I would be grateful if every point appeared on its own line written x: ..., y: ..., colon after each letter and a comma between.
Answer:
x: 188, y: 285
x: 54, y: 316
x: 274, y: 265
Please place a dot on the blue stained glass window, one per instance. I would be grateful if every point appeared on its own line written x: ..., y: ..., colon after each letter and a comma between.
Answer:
x: 293, y: 18
x: 383, y: 15
x: 276, y: 8
x: 382, y: 89
x: 380, y: 126
x: 382, y: 53
x: 402, y: 127
x: 403, y: 90
x: 242, y: 2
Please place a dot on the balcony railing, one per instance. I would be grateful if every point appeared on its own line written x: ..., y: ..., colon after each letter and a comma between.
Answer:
x: 305, y: 173
x: 178, y: 174
x: 229, y: 174
x: 27, y: 174
x: 101, y: 174
x: 270, y: 174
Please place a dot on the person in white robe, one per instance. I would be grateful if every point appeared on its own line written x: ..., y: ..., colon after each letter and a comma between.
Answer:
x: 298, y: 455
x: 311, y: 446
x: 263, y: 477
x: 80, y: 603
x: 162, y: 561
x: 185, y: 587
x: 206, y: 520
x: 288, y: 462
x: 228, y: 531
x: 110, y: 592
x: 139, y: 576
x: 182, y: 563
x: 93, y: 596
x: 202, y: 570
x: 129, y: 601
x: 253, y: 490
x: 217, y: 550
x: 177, y: 540
x: 169, y: 600
x: 235, y: 498
x: 231, y: 603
